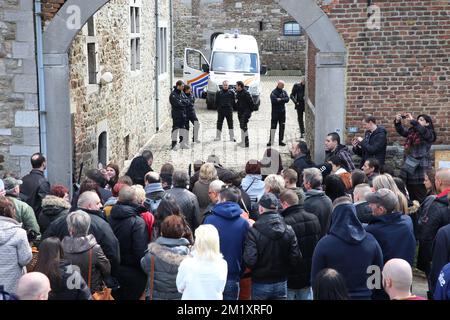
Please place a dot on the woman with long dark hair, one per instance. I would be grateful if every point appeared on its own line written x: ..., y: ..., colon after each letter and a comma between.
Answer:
x: 419, y: 138
x: 112, y: 171
x: 66, y: 282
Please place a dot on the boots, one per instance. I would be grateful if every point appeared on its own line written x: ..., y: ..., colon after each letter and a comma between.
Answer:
x: 218, y: 135
x: 232, y: 139
x: 272, y: 137
x: 196, y: 132
x: 281, y: 136
x: 244, y: 139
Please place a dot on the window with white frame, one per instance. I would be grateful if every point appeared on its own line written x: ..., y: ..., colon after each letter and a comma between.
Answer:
x: 135, y: 35
x: 163, y: 44
x: 92, y: 51
x: 291, y: 28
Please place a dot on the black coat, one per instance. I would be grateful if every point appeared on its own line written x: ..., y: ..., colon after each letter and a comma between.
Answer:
x: 438, y: 216
x: 61, y: 290
x: 298, y: 96
x: 244, y: 102
x: 138, y: 169
x: 441, y: 255
x: 52, y: 209
x: 179, y: 103
x: 225, y: 101
x: 318, y: 203
x: 34, y: 188
x: 279, y: 106
x: 307, y: 229
x: 101, y: 230
x: 271, y: 249
x: 373, y: 146
x: 190, y: 108
x: 301, y: 163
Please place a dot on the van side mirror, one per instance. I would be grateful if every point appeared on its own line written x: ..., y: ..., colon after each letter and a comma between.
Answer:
x: 263, y: 70
x: 205, y: 67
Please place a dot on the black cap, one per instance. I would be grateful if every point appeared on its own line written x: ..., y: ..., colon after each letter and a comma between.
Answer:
x: 269, y: 201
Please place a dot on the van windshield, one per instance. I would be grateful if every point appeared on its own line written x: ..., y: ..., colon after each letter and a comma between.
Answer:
x: 235, y: 62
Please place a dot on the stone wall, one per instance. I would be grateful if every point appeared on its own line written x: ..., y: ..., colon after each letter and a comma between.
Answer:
x: 194, y: 30
x: 19, y: 122
x: 125, y: 107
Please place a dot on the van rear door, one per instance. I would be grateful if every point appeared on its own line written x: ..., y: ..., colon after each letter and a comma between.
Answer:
x: 195, y: 71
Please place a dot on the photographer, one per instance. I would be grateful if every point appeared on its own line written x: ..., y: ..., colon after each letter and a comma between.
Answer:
x: 419, y: 138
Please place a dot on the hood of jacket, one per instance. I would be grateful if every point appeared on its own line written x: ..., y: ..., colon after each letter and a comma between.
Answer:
x: 110, y: 202
x: 345, y: 224
x: 271, y: 224
x: 314, y: 193
x: 227, y: 210
x: 170, y: 249
x: 442, y: 200
x: 125, y: 210
x: 8, y: 229
x: 55, y: 202
x: 153, y: 187
x: 78, y: 244
x: 341, y: 147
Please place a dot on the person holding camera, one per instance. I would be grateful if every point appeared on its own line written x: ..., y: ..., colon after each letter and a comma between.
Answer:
x: 419, y: 138
x: 374, y: 143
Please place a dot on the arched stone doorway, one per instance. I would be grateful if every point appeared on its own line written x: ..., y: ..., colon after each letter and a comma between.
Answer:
x: 330, y: 75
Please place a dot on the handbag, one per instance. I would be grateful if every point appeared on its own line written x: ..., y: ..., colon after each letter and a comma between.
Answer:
x: 151, y: 279
x: 410, y: 165
x: 32, y: 265
x: 105, y: 293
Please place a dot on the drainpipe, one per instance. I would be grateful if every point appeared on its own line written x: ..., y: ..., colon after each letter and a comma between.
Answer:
x: 157, y: 59
x: 41, y: 79
x: 172, y: 37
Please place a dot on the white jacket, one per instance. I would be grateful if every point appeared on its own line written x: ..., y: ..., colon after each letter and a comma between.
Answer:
x: 15, y: 253
x: 199, y: 279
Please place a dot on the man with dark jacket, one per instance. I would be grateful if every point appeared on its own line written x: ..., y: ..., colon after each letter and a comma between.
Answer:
x: 140, y: 166
x: 245, y: 107
x: 316, y: 201
x: 302, y: 160
x: 333, y: 147
x: 374, y: 143
x: 191, y: 116
x: 307, y: 229
x: 363, y: 211
x: 348, y: 249
x: 131, y: 231
x: 271, y: 251
x: 35, y: 186
x: 90, y: 203
x: 226, y: 217
x: 187, y: 201
x: 278, y: 98
x: 225, y: 103
x: 298, y: 97
x: 154, y: 191
x: 179, y: 103
x: 441, y: 256
x: 438, y: 216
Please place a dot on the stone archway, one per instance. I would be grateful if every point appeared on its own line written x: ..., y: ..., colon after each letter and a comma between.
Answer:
x: 330, y: 75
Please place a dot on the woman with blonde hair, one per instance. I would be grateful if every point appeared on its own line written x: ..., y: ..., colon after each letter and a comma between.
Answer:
x: 204, y: 275
x: 274, y: 184
x: 143, y: 210
x: 386, y: 181
x: 208, y: 173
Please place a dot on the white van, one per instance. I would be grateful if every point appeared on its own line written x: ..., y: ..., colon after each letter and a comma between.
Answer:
x: 234, y: 57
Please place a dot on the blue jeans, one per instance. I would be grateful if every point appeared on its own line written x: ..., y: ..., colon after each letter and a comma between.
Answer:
x: 299, y: 294
x: 231, y: 291
x: 269, y: 291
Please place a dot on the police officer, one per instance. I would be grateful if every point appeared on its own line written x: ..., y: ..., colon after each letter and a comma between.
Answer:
x: 279, y: 98
x: 191, y: 116
x: 245, y: 106
x: 298, y: 97
x: 179, y: 103
x: 225, y: 103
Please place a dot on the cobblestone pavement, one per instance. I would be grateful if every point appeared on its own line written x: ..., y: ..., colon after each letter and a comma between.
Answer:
x: 228, y: 152
x: 232, y: 156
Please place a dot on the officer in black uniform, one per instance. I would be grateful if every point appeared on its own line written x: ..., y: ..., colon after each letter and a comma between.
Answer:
x: 298, y: 97
x: 191, y: 116
x: 179, y: 103
x: 225, y: 103
x: 245, y: 106
x: 279, y: 98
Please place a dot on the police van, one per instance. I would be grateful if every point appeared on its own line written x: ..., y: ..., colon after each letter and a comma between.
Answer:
x: 234, y: 57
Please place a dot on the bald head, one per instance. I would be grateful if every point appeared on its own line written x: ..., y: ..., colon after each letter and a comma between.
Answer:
x: 152, y: 177
x: 33, y: 286
x: 89, y: 200
x: 397, y: 276
x: 280, y: 84
x: 442, y: 179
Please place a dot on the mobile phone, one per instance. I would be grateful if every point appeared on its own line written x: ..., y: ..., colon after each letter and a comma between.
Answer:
x: 403, y: 117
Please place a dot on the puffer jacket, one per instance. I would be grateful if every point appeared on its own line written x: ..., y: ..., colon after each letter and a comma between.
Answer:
x: 15, y: 253
x: 271, y: 249
x: 76, y: 251
x: 307, y: 229
x: 168, y: 254
x: 188, y: 203
x: 52, y: 208
x: 318, y: 203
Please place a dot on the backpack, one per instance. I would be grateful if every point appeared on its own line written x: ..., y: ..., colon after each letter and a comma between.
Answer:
x: 152, y: 204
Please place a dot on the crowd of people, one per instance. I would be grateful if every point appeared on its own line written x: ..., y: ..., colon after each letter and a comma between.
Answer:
x: 308, y: 231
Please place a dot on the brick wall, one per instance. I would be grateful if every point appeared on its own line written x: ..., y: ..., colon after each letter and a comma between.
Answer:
x: 50, y: 8
x: 277, y: 51
x: 402, y: 67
